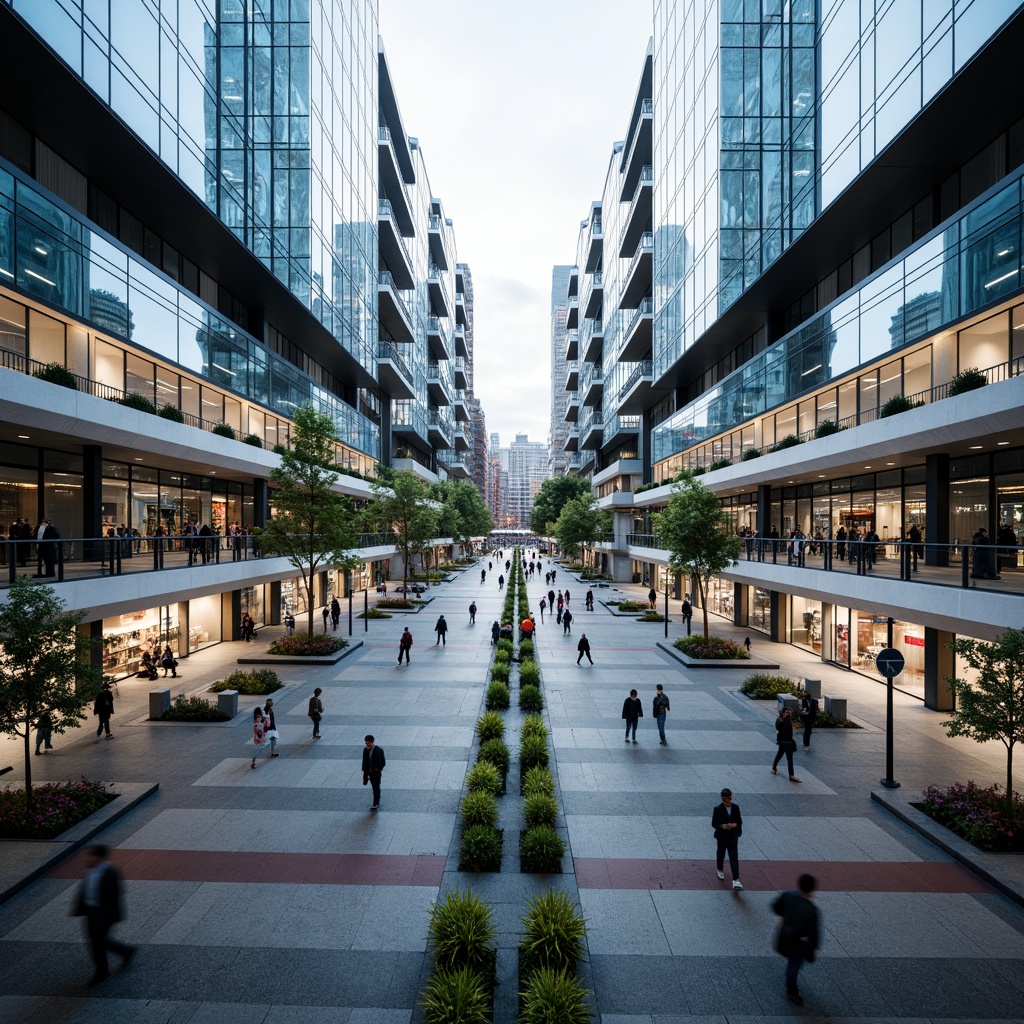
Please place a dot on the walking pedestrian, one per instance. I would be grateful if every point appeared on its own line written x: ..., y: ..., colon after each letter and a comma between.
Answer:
x: 543, y: 608
x: 589, y: 602
x: 551, y: 600
x: 104, y: 708
x: 501, y: 582
x: 483, y: 575
x: 561, y: 607
x: 797, y: 939
x: 44, y: 731
x: 786, y: 743
x: 808, y: 716
x: 326, y: 613
x: 472, y: 613
x: 404, y: 645
x: 916, y: 545
x: 335, y: 613
x: 271, y: 721
x: 168, y: 663
x: 687, y: 611
x: 659, y: 709
x: 373, y: 765
x: 99, y: 902
x: 727, y: 822
x: 526, y: 628
x: 652, y: 596
x: 316, y: 711
x: 259, y: 734
x: 584, y: 648
x: 632, y: 712
x: 441, y: 629
x: 841, y: 544
x: 289, y: 623
x: 495, y: 633
x: 566, y: 622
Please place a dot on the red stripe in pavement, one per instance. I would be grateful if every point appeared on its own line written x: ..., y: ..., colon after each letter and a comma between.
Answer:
x: 290, y: 868
x: 835, y: 876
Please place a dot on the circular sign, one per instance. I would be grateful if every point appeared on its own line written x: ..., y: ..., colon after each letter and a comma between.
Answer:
x: 889, y: 662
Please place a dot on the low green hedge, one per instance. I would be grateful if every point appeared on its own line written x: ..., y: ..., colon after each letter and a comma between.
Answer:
x: 193, y: 709
x: 498, y: 697
x: 538, y: 780
x: 761, y: 686
x: 258, y: 681
x: 530, y: 699
x: 303, y: 645
x: 541, y: 851
x: 481, y: 849
x: 711, y: 648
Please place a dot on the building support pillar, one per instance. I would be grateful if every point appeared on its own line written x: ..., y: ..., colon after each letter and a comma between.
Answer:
x: 780, y: 616
x: 184, y: 647
x: 92, y: 499
x: 764, y: 509
x: 827, y: 630
x: 274, y: 611
x: 92, y: 633
x: 261, y: 502
x: 938, y: 663
x: 936, y: 515
x: 739, y: 604
x: 231, y: 615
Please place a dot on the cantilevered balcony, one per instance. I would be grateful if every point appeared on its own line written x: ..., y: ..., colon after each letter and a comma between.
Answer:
x: 572, y: 345
x: 592, y: 340
x: 592, y: 430
x: 593, y: 384
x: 640, y: 152
x: 394, y: 251
x: 574, y: 282
x: 461, y: 407
x: 620, y: 428
x: 460, y: 309
x: 572, y: 376
x: 572, y: 313
x: 392, y: 179
x: 636, y: 343
x: 393, y: 310
x: 638, y: 219
x: 459, y: 368
x: 572, y: 407
x: 437, y: 338
x: 393, y: 371
x: 574, y: 463
x: 639, y: 274
x: 437, y: 385
x: 439, y: 430
x: 635, y: 394
x: 572, y: 439
x: 461, y: 439
x: 595, y: 243
x: 436, y: 240
x: 594, y: 299
x: 457, y: 468
x: 438, y: 291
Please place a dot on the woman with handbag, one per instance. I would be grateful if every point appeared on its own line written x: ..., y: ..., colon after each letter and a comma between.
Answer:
x: 259, y: 733
x: 786, y: 743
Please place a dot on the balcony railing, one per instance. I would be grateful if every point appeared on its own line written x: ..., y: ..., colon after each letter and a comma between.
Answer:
x: 385, y: 209
x: 644, y: 246
x: 385, y: 350
x: 592, y: 374
x: 641, y: 370
x: 387, y: 279
x: 646, y: 308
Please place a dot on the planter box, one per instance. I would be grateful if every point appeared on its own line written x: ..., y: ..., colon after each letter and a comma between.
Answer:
x: 752, y: 662
x: 297, y: 659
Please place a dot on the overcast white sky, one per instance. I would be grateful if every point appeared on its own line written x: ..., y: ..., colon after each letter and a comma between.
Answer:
x: 516, y: 104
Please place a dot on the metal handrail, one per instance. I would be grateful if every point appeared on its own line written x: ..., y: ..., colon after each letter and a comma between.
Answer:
x: 386, y: 350
x: 645, y: 246
x: 645, y: 368
x: 385, y: 209
x: 646, y: 307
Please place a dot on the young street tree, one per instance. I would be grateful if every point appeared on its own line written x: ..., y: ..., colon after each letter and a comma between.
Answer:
x: 992, y: 706
x: 551, y: 498
x: 402, y: 504
x: 699, y: 539
x: 313, y: 526
x: 474, y: 519
x: 44, y: 670
x: 580, y: 523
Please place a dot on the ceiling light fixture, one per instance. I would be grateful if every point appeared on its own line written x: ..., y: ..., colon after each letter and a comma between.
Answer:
x: 976, y: 447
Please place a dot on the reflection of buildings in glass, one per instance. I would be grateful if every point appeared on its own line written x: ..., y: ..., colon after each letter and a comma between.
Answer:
x: 916, y: 318
x: 108, y: 311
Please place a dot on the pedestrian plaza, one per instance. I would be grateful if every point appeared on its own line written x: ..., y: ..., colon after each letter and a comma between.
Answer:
x: 274, y: 895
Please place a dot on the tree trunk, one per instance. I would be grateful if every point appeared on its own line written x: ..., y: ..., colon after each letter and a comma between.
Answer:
x: 29, y: 804
x: 309, y: 603
x: 702, y: 591
x: 1009, y: 780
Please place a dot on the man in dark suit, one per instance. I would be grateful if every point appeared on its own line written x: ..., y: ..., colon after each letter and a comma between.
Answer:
x: 99, y: 902
x: 728, y: 825
x: 48, y: 536
x: 373, y: 765
x: 798, y: 932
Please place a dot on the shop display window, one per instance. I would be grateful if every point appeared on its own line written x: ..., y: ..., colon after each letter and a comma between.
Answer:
x: 127, y: 637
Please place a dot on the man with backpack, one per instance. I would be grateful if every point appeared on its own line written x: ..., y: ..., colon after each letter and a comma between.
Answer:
x: 404, y: 645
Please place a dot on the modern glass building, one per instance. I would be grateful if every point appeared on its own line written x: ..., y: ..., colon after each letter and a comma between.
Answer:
x: 210, y: 214
x: 836, y: 228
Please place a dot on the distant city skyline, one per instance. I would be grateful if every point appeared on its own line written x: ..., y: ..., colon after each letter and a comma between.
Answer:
x: 518, y: 121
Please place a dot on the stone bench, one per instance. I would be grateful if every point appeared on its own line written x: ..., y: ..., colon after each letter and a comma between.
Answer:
x: 836, y: 707
x: 812, y: 687
x: 788, y: 700
x: 159, y: 702
x: 227, y: 702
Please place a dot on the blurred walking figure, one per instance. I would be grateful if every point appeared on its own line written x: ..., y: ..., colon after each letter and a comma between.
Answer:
x: 99, y: 902
x: 797, y: 939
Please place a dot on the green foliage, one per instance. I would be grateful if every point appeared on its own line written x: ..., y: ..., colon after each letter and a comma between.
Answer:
x: 696, y: 471
x: 529, y: 673
x: 312, y: 525
x: 983, y: 817
x: 991, y: 707
x: 698, y: 535
x: 490, y: 726
x: 538, y: 780
x: 896, y: 405
x: 541, y: 851
x: 719, y: 464
x: 631, y: 606
x: 139, y: 402
x: 502, y: 656
x: 540, y: 809
x: 966, y: 380
x: 550, y: 499
x: 580, y: 522
x: 56, y: 807
x: 762, y: 686
x: 461, y: 932
x: 402, y: 505
x: 57, y: 373
x: 171, y: 412
x: 465, y: 512
x: 483, y: 777
x: 750, y: 454
x: 193, y: 709
x: 373, y: 613
x: 651, y: 616
x: 497, y: 753
x: 394, y: 602
x: 500, y: 672
x: 479, y: 808
x: 533, y: 751
x: 526, y: 650
x: 553, y: 996
x: 44, y: 669
x: 456, y: 996
x: 533, y: 725
x: 553, y: 934
x: 253, y: 439
x: 825, y: 428
x: 481, y: 849
x: 711, y: 648
x: 258, y: 681
x: 317, y: 645
x: 789, y: 441
x: 224, y: 430
x: 498, y: 697
x: 530, y: 698
x: 823, y: 720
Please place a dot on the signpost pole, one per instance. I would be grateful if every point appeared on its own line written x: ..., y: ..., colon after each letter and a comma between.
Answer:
x: 889, y: 782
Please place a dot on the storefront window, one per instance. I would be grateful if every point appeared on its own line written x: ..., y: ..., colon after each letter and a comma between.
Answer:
x: 840, y: 652
x: 18, y: 496
x: 1010, y: 489
x: 968, y: 509
x: 720, y: 597
x: 204, y: 615
x: 759, y: 609
x: 126, y: 637
x: 871, y: 637
x: 805, y: 623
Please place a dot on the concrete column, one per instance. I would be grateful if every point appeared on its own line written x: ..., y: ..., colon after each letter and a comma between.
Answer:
x: 739, y: 604
x: 261, y: 502
x: 92, y: 633
x: 764, y: 509
x: 183, y: 626
x: 938, y: 663
x: 826, y: 630
x: 231, y: 615
x: 780, y: 616
x: 936, y: 516
x: 92, y: 497
x: 274, y: 611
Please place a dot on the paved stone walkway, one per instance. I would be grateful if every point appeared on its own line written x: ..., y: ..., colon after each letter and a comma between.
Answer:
x: 273, y: 895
